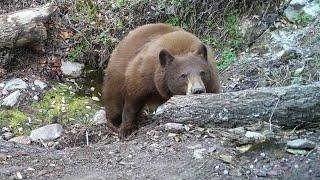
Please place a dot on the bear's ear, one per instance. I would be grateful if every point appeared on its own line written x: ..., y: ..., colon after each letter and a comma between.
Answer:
x: 165, y: 57
x: 202, y: 51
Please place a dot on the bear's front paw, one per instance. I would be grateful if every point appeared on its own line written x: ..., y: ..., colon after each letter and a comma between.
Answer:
x: 126, y: 131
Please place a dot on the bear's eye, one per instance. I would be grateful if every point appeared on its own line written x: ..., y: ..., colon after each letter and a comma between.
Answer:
x: 183, y: 75
x: 202, y: 73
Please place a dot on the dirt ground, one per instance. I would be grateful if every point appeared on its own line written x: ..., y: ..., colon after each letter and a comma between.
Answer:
x: 152, y: 154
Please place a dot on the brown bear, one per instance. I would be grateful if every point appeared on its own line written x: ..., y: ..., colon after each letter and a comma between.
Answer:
x: 150, y: 65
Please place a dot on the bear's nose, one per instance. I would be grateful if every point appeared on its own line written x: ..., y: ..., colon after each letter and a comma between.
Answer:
x: 198, y: 90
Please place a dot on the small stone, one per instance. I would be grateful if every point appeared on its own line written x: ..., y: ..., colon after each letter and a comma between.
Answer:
x: 36, y: 98
x: 172, y: 134
x: 217, y: 167
x: 5, y: 129
x: 19, y: 175
x: 21, y: 140
x: 297, y: 151
x: 12, y: 99
x: 225, y: 172
x: 197, y: 154
x: 301, y: 144
x: 174, y: 127
x: 244, y: 148
x: 261, y: 173
x: 272, y: 173
x: 40, y: 84
x: 194, y: 146
x: 255, y: 135
x: 99, y: 117
x: 47, y: 133
x: 2, y: 85
x: 226, y: 158
x: 72, y: 69
x: 263, y: 155
x: 15, y: 84
x: 3, y: 157
x: 4, y: 92
x: 95, y: 98
x: 212, y: 149
x: 251, y: 166
x: 296, y: 166
x: 238, y: 130
x: 50, y: 143
x: 160, y: 109
x: 7, y: 135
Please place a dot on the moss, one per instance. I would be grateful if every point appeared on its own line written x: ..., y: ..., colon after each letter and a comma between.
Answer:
x: 61, y: 105
x: 15, y: 120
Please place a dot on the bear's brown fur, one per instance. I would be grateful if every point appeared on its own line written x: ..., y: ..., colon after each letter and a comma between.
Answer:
x: 151, y: 64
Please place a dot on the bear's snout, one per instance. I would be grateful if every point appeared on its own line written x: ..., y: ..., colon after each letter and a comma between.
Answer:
x: 198, y: 90
x: 195, y: 86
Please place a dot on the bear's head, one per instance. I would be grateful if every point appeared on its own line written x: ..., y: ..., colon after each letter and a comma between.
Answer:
x: 187, y: 74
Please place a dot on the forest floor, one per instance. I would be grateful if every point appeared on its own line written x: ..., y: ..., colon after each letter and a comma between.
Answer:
x: 155, y: 152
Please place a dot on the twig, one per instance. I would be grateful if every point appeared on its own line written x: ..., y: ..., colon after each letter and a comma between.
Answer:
x: 270, y: 124
x: 204, y: 163
x: 87, y: 137
x: 43, y: 143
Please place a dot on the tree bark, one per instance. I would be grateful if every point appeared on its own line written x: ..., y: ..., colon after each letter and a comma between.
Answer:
x: 287, y: 107
x: 25, y: 27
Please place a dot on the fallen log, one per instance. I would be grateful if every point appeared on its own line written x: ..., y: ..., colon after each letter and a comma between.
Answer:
x: 287, y: 107
x: 25, y: 27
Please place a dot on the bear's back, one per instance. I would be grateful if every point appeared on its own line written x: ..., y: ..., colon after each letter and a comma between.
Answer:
x: 130, y: 46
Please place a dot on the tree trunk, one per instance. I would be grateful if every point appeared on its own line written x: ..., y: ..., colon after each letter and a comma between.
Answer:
x: 287, y: 107
x: 24, y: 27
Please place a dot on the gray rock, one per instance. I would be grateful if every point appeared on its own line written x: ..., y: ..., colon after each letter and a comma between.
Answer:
x: 12, y: 99
x: 15, y: 84
x: 40, y: 84
x: 21, y: 140
x: 36, y: 98
x: 255, y: 135
x: 306, y: 7
x: 225, y: 172
x: 2, y: 85
x: 4, y: 92
x: 301, y: 144
x: 175, y: 127
x: 47, y: 133
x: 99, y: 117
x: 299, y: 2
x: 197, y: 153
x: 160, y: 109
x: 7, y: 135
x: 3, y: 157
x: 72, y: 69
x: 5, y: 129
x: 261, y: 173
